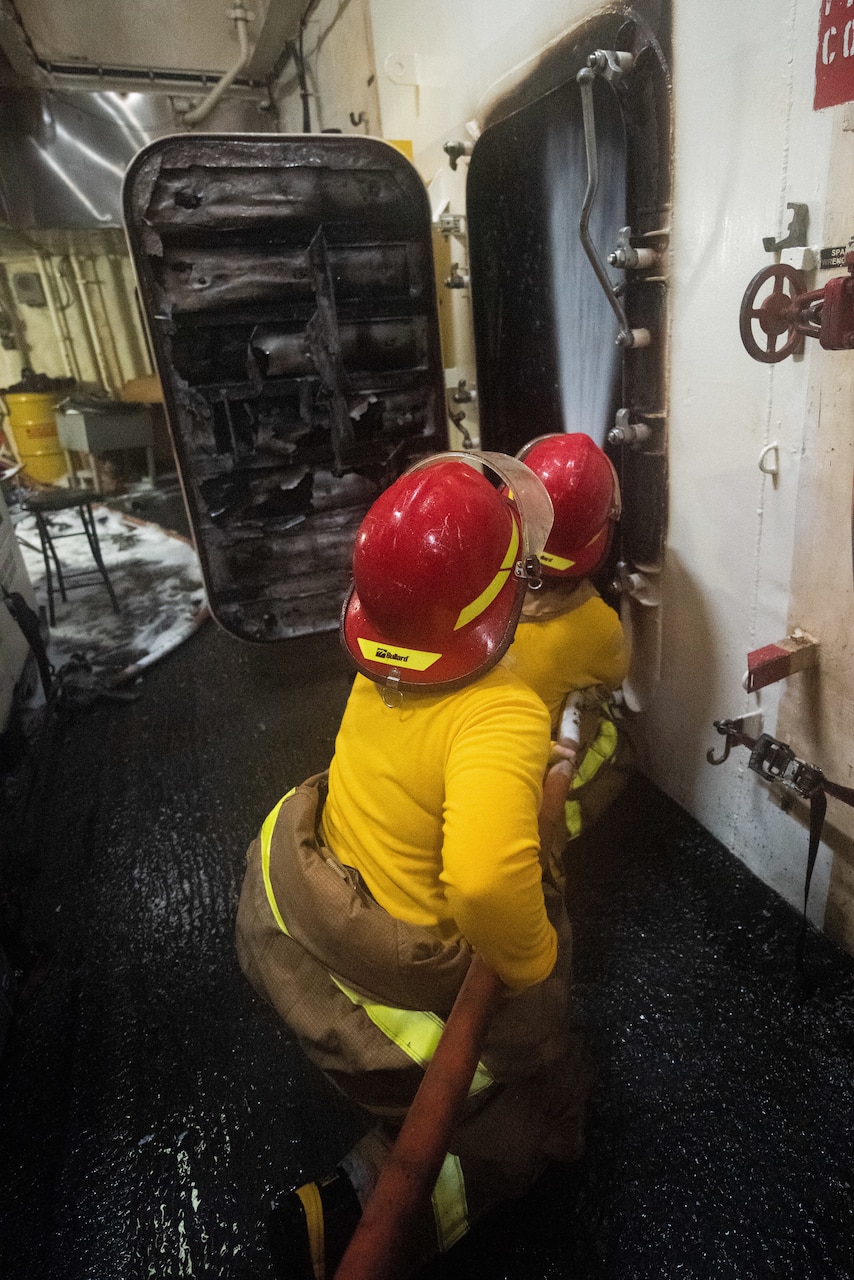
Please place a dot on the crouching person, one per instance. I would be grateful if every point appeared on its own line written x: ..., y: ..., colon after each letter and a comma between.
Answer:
x: 368, y: 889
x: 570, y: 646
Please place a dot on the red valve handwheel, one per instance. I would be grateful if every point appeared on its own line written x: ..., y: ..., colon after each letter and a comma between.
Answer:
x: 776, y: 315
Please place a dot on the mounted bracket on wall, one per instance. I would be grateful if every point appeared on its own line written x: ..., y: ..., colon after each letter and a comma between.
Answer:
x: 451, y: 224
x: 796, y: 236
x: 403, y: 68
x: 457, y: 279
x: 456, y: 150
x: 773, y: 662
x: 769, y: 460
x: 791, y: 312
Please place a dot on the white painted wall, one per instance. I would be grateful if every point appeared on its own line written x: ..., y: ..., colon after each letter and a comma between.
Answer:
x: 746, y: 144
x: 340, y: 74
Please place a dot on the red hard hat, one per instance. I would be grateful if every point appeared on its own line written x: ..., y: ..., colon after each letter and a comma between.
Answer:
x: 585, y: 493
x: 437, y: 584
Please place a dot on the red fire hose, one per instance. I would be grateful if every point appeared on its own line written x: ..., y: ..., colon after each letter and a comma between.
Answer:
x: 407, y: 1180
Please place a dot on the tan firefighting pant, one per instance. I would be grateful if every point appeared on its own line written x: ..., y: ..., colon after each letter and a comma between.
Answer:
x: 367, y: 996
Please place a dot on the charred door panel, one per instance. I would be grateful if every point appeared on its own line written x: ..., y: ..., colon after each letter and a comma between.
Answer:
x: 288, y: 287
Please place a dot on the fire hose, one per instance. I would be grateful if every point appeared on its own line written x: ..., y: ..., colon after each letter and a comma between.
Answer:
x: 408, y: 1177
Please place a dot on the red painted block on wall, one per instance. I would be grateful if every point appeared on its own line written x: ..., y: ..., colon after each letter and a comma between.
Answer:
x: 775, y: 662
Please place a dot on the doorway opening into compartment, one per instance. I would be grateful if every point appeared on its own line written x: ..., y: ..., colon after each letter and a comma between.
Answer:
x: 569, y: 210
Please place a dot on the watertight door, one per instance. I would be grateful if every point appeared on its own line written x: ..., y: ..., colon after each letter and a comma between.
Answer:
x: 288, y: 286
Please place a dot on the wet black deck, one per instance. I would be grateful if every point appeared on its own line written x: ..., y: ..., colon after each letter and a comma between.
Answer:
x: 151, y: 1104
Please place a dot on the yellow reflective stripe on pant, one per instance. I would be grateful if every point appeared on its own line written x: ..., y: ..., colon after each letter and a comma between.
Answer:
x: 449, y: 1203
x: 266, y: 838
x: 416, y: 1032
x: 601, y: 750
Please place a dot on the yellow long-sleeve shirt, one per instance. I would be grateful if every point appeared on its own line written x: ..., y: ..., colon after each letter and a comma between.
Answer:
x: 435, y: 802
x: 566, y: 640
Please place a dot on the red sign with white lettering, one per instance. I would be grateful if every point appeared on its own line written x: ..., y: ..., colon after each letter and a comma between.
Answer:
x: 834, y: 63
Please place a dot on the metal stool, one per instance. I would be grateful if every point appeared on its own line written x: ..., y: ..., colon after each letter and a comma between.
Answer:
x: 42, y: 506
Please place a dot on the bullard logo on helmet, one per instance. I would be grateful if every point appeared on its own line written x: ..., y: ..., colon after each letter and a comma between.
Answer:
x: 389, y: 656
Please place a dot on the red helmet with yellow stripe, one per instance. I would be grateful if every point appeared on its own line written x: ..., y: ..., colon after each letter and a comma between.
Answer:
x: 440, y: 567
x: 585, y: 492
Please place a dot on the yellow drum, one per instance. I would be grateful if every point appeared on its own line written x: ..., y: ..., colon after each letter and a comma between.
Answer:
x: 31, y: 428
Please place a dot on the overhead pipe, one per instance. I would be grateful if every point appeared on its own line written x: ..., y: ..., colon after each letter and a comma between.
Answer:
x: 91, y: 326
x: 53, y: 268
x: 98, y: 286
x: 415, y: 1161
x: 297, y: 52
x: 61, y: 337
x: 104, y: 331
x: 241, y: 18
x: 16, y: 326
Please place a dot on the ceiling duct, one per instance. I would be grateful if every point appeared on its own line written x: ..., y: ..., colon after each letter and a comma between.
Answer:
x: 87, y: 84
x: 63, y: 155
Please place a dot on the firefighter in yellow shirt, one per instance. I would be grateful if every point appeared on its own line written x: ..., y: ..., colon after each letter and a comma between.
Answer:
x: 570, y: 646
x: 368, y: 890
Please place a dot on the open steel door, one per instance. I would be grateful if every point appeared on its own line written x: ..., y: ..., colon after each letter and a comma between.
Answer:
x: 288, y: 287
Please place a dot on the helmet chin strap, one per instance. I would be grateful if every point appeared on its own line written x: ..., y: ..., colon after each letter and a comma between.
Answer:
x: 391, y: 692
x: 531, y: 570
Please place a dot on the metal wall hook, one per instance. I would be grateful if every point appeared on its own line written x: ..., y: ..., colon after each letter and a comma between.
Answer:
x: 713, y: 759
x: 734, y: 732
x: 769, y: 460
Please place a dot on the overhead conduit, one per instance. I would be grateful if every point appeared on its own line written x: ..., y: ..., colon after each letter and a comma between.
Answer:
x: 241, y: 18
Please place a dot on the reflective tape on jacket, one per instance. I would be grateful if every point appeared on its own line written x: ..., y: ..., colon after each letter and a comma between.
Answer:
x: 416, y: 1032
